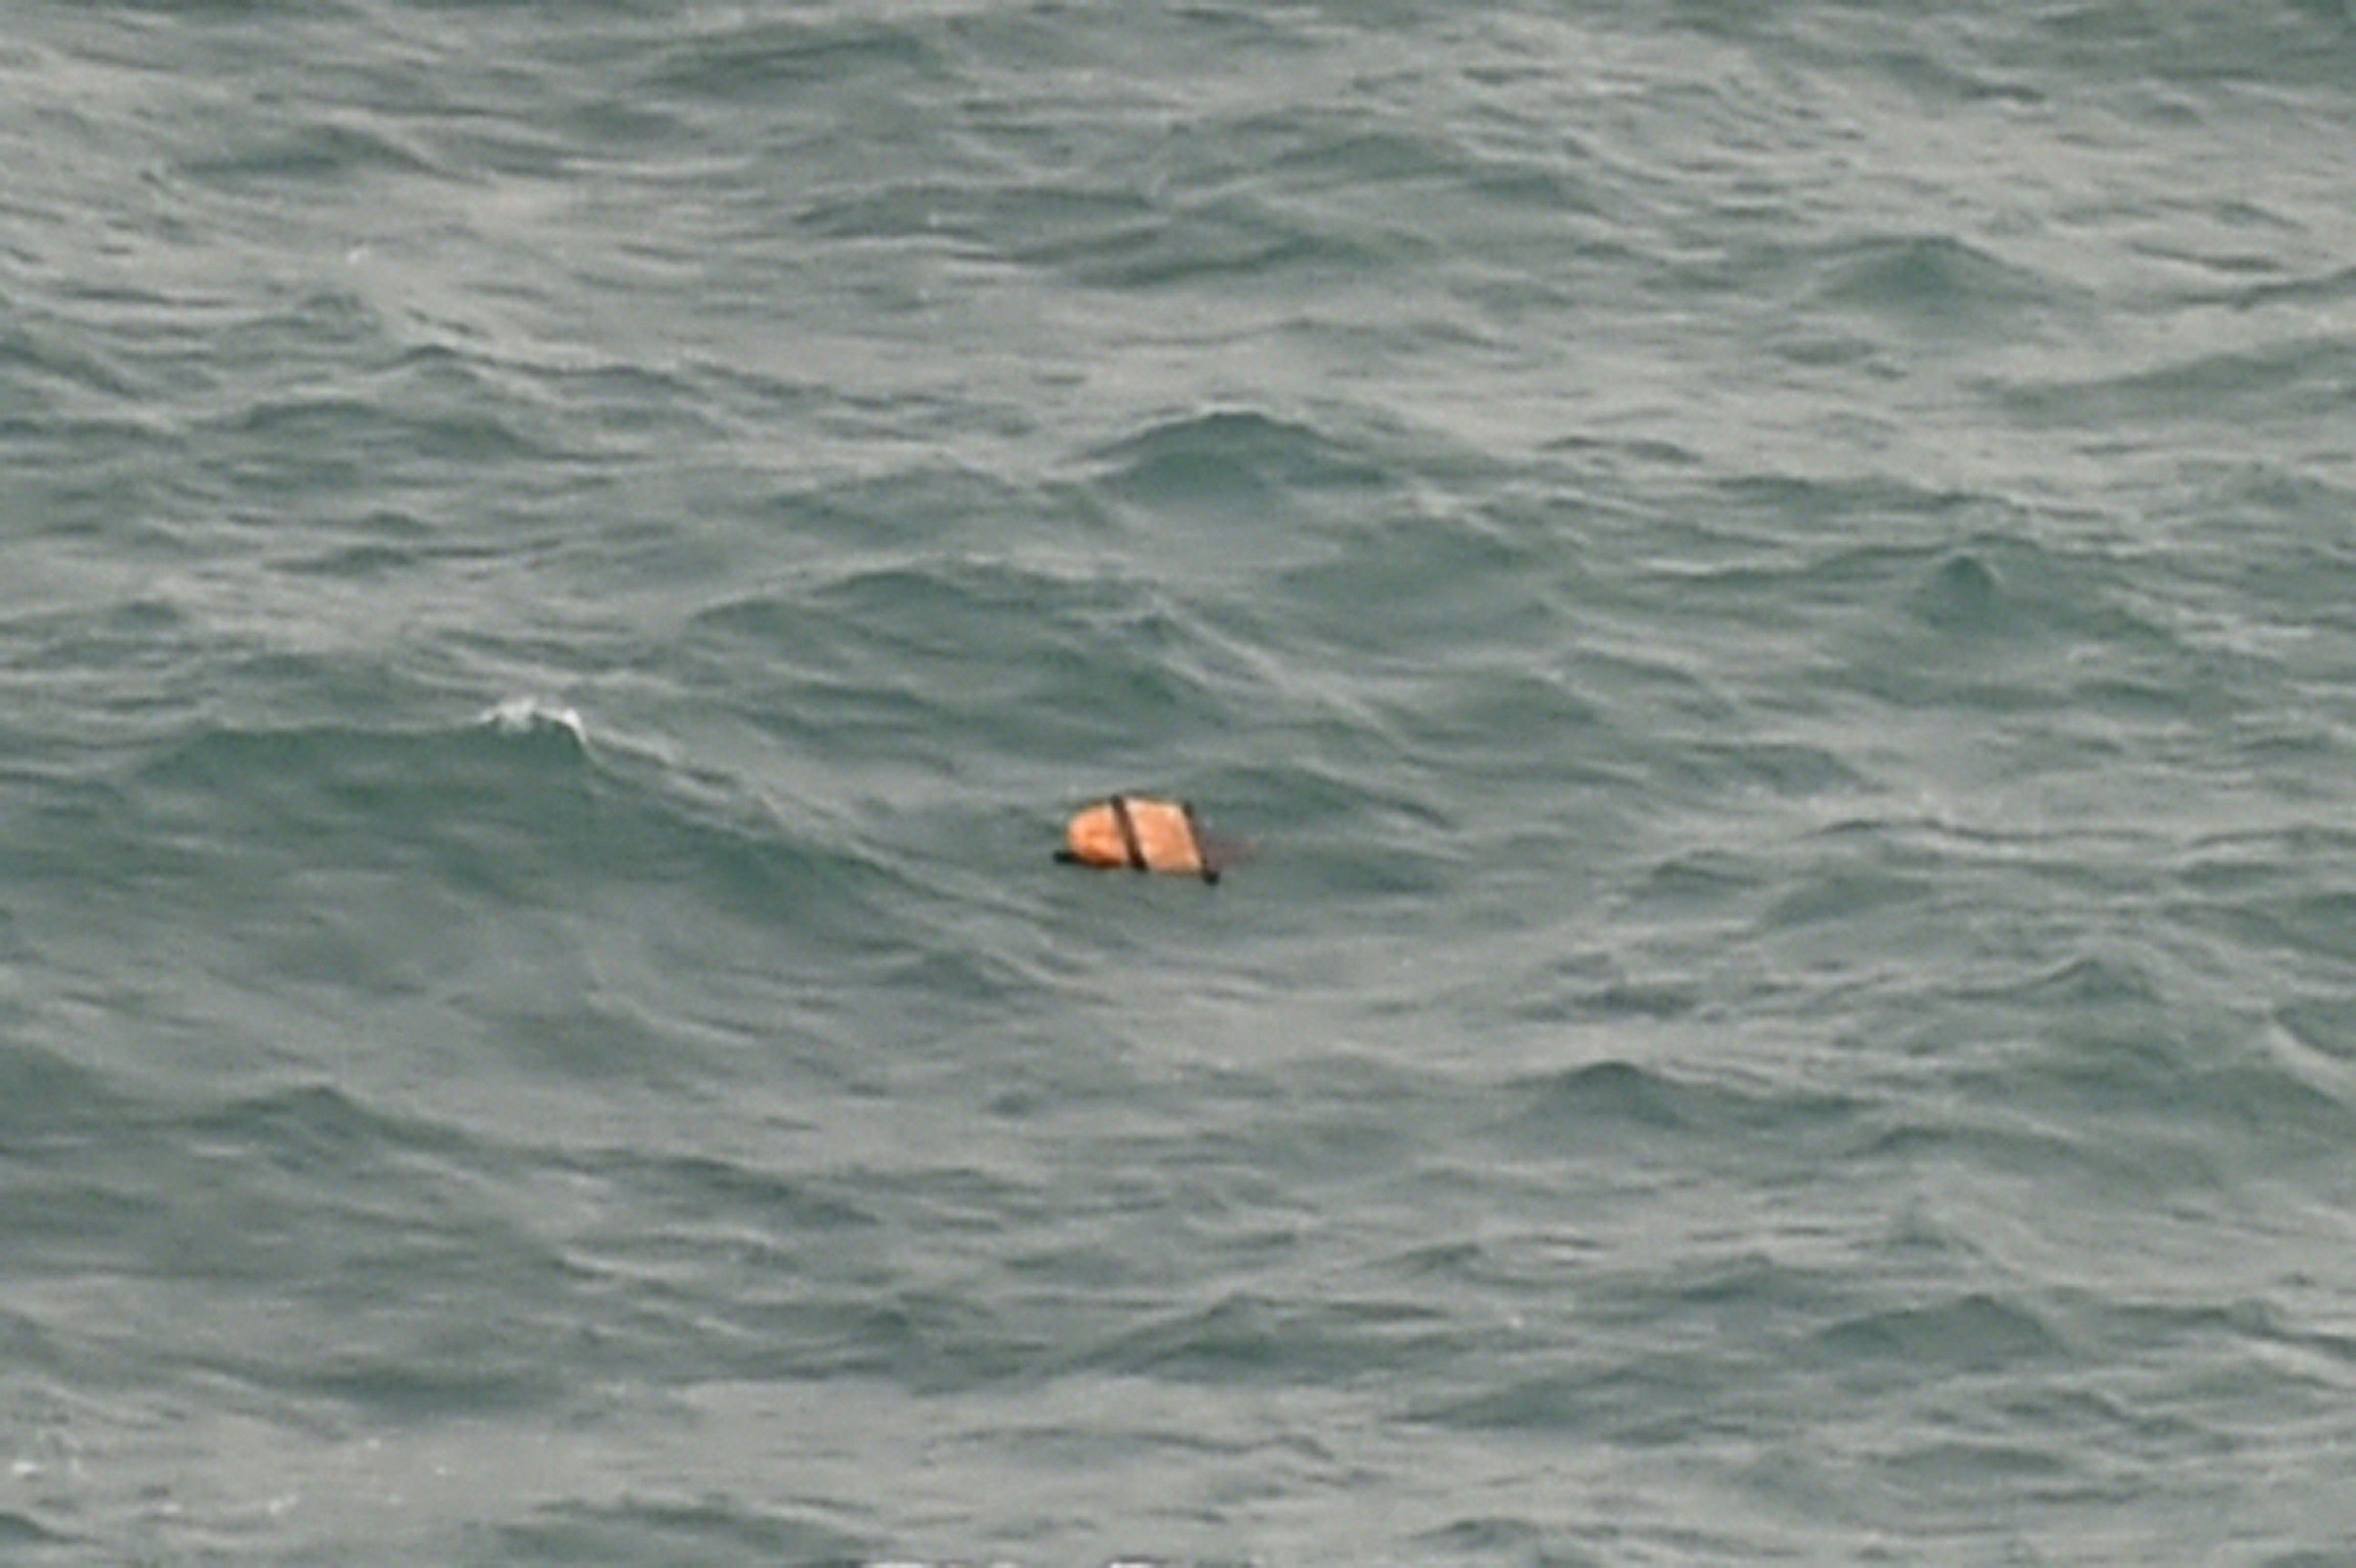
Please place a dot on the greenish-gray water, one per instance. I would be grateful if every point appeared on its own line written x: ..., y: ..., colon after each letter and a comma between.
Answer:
x: 1769, y: 585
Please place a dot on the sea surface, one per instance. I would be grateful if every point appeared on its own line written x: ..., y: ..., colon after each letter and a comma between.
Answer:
x: 1768, y: 588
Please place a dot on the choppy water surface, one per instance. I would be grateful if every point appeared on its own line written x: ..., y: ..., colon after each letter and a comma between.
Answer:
x: 1769, y: 586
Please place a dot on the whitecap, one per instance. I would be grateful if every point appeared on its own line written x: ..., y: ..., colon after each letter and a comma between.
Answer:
x: 533, y: 715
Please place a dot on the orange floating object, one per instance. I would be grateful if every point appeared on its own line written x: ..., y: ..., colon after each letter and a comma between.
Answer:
x: 1141, y: 833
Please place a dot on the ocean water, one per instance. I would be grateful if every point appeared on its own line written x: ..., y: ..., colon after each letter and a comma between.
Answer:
x: 1767, y: 584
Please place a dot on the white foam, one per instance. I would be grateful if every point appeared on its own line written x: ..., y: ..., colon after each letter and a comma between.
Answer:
x: 529, y: 715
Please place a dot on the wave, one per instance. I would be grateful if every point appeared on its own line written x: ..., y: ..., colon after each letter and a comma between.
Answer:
x: 528, y: 805
x: 1230, y: 457
x: 1620, y: 1100
x: 651, y: 1528
x: 1936, y: 281
x: 2284, y: 384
